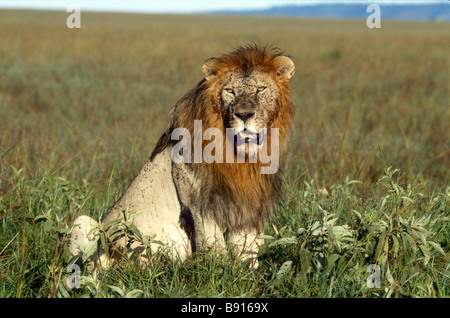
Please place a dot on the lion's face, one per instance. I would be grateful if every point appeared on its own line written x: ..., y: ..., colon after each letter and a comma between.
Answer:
x: 247, y: 86
x: 249, y: 102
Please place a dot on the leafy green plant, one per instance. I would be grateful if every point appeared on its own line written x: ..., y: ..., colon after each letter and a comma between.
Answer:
x: 391, y: 233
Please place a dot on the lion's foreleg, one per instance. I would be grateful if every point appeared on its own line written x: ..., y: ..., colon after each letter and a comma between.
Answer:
x: 83, y: 239
x: 209, y: 236
x: 245, y: 245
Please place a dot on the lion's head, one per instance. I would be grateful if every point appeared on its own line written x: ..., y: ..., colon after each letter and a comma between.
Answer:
x: 250, y: 89
x: 248, y: 86
x: 247, y: 91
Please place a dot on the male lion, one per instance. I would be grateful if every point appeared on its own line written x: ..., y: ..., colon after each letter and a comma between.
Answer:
x: 195, y: 206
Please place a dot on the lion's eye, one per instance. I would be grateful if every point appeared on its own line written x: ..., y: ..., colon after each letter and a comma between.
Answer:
x: 229, y: 91
x: 261, y: 89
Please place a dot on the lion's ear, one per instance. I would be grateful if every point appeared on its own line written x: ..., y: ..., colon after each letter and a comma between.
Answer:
x: 285, y: 67
x: 208, y: 68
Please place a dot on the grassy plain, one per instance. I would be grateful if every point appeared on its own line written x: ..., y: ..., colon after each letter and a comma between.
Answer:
x: 81, y: 110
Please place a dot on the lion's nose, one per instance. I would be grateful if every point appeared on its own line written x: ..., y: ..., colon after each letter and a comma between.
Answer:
x: 244, y: 115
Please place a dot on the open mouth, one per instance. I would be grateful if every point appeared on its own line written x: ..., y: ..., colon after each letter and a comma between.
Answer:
x: 249, y: 137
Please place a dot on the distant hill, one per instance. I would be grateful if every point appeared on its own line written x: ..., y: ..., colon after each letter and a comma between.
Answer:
x: 418, y: 12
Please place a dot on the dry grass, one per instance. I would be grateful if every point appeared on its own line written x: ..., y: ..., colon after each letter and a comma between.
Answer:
x: 89, y: 100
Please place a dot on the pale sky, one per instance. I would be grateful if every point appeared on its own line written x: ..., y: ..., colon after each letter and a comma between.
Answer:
x: 177, y: 6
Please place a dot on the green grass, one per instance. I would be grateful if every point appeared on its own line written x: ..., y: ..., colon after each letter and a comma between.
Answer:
x: 366, y: 179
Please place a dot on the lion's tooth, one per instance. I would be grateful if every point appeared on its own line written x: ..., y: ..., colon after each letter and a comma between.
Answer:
x: 247, y: 134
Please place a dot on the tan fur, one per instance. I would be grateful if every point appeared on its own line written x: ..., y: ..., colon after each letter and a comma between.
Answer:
x: 196, y: 206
